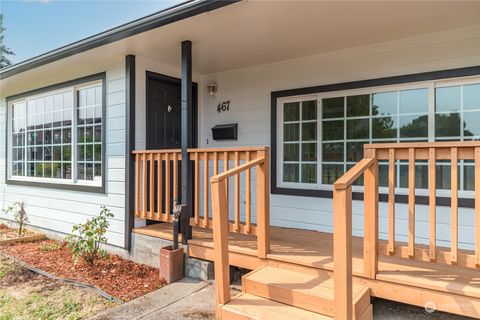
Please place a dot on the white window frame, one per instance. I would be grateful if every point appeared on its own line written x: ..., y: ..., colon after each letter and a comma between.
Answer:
x: 74, y: 151
x: 430, y: 85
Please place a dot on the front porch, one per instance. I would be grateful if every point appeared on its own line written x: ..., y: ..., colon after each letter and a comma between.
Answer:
x: 414, y: 282
x: 230, y: 213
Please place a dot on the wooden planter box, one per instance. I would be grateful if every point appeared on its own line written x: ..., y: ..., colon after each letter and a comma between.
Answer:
x: 171, y: 264
x: 29, y: 238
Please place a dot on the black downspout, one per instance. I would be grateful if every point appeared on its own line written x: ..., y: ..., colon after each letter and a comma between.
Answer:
x: 186, y: 137
x: 129, y: 147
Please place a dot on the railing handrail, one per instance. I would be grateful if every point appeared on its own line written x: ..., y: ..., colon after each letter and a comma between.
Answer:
x: 353, y: 174
x: 199, y: 150
x: 420, y: 145
x: 236, y: 170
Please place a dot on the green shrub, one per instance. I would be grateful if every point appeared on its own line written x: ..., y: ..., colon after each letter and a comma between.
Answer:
x: 86, y: 239
x: 19, y: 214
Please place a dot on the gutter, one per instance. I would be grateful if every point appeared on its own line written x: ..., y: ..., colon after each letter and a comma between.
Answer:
x: 170, y: 15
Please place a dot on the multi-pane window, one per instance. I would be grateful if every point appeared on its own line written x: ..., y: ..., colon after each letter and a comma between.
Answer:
x: 300, y: 142
x: 431, y: 111
x: 43, y: 141
x: 89, y: 138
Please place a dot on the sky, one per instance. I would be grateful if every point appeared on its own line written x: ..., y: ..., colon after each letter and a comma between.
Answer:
x: 38, y: 26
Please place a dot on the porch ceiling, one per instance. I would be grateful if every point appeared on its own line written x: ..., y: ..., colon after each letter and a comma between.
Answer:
x: 256, y: 32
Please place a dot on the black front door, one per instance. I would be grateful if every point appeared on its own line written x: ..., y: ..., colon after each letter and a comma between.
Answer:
x: 163, y: 114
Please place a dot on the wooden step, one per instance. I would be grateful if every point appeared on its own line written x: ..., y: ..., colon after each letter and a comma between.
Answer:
x: 250, y: 307
x: 312, y: 292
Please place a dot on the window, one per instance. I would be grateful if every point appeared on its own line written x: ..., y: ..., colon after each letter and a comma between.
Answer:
x: 56, y: 136
x: 346, y: 120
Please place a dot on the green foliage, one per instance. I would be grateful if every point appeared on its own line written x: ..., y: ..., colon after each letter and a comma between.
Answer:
x: 50, y: 246
x: 19, y: 214
x: 87, y: 238
x: 4, y: 51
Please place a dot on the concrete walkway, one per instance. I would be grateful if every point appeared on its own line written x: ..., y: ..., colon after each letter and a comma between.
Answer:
x: 195, y: 300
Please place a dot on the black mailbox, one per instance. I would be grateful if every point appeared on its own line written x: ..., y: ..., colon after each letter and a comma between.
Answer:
x: 225, y: 131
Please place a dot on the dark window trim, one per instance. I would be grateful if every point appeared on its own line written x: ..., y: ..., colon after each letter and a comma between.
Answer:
x: 64, y: 186
x: 394, y: 80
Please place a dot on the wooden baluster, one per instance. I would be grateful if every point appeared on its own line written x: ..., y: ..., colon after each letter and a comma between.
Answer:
x: 411, y: 202
x: 196, y: 190
x: 144, y: 184
x: 168, y: 198
x: 454, y: 205
x: 159, y: 187
x: 432, y: 186
x: 225, y: 168
x: 391, y: 201
x: 248, y: 200
x: 175, y: 176
x: 236, y: 205
x: 342, y: 253
x: 370, y: 251
x: 137, y: 187
x: 205, y: 189
x: 477, y: 206
x: 263, y: 206
x: 152, y: 188
x: 215, y: 167
x: 220, y: 243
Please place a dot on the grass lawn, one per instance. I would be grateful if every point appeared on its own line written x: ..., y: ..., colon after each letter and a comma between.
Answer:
x: 26, y: 295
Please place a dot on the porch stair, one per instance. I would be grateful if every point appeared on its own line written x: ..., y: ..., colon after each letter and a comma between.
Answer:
x: 276, y: 293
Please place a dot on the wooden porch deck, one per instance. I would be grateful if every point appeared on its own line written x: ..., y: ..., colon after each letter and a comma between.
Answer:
x: 454, y: 289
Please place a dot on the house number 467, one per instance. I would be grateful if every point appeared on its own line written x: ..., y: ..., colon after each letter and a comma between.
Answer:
x: 223, y: 106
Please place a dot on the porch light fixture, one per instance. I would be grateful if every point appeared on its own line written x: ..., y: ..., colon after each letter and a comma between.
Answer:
x: 212, y: 89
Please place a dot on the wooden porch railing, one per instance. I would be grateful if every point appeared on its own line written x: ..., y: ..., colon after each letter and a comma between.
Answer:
x: 455, y: 152
x: 157, y: 184
x: 221, y: 219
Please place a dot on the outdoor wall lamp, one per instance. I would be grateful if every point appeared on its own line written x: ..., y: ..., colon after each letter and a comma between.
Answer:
x: 212, y: 89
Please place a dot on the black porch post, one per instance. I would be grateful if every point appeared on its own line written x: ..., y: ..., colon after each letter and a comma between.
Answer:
x: 186, y: 90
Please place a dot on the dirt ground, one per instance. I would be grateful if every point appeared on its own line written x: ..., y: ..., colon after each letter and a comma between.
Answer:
x: 25, y: 295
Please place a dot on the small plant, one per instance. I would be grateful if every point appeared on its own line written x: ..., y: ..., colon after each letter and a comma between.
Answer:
x: 50, y: 246
x: 86, y: 239
x: 19, y: 215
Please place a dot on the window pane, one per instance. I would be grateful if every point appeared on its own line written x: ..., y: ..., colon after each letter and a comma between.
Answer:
x: 358, y: 129
x: 97, y: 152
x: 333, y: 108
x: 443, y: 171
x: 355, y: 151
x: 414, y: 101
x: 291, y: 132
x: 468, y: 177
x: 447, y: 125
x: 291, y: 111
x: 309, y: 110
x: 421, y: 175
x: 309, y: 173
x: 291, y: 152
x: 333, y: 152
x: 309, y: 152
x: 309, y: 131
x: 471, y: 124
x: 447, y: 99
x: 331, y: 172
x: 471, y: 97
x: 358, y: 105
x: 290, y: 172
x: 384, y: 103
x: 413, y: 126
x: 383, y: 174
x: 385, y: 127
x: 333, y: 130
x: 359, y: 181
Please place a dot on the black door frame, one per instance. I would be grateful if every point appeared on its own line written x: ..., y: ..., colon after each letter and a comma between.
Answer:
x: 150, y: 75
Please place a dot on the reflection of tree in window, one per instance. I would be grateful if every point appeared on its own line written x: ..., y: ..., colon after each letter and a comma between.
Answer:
x: 418, y: 127
x: 448, y: 125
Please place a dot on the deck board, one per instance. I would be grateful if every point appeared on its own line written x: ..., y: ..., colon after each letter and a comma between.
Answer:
x: 314, y: 249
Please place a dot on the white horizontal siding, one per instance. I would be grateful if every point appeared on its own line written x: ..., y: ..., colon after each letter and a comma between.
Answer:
x: 248, y: 91
x: 58, y: 210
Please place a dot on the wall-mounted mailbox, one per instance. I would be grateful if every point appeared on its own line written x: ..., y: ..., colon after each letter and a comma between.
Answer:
x: 225, y: 131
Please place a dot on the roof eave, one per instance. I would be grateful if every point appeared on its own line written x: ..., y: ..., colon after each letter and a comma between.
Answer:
x: 176, y: 13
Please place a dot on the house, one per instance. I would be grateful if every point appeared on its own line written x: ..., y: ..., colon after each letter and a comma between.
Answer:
x: 272, y: 103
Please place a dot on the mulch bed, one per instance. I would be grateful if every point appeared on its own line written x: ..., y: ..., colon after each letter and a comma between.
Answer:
x: 7, y: 233
x: 120, y: 278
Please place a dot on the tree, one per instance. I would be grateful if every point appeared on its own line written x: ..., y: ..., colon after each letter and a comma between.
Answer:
x: 4, y: 51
